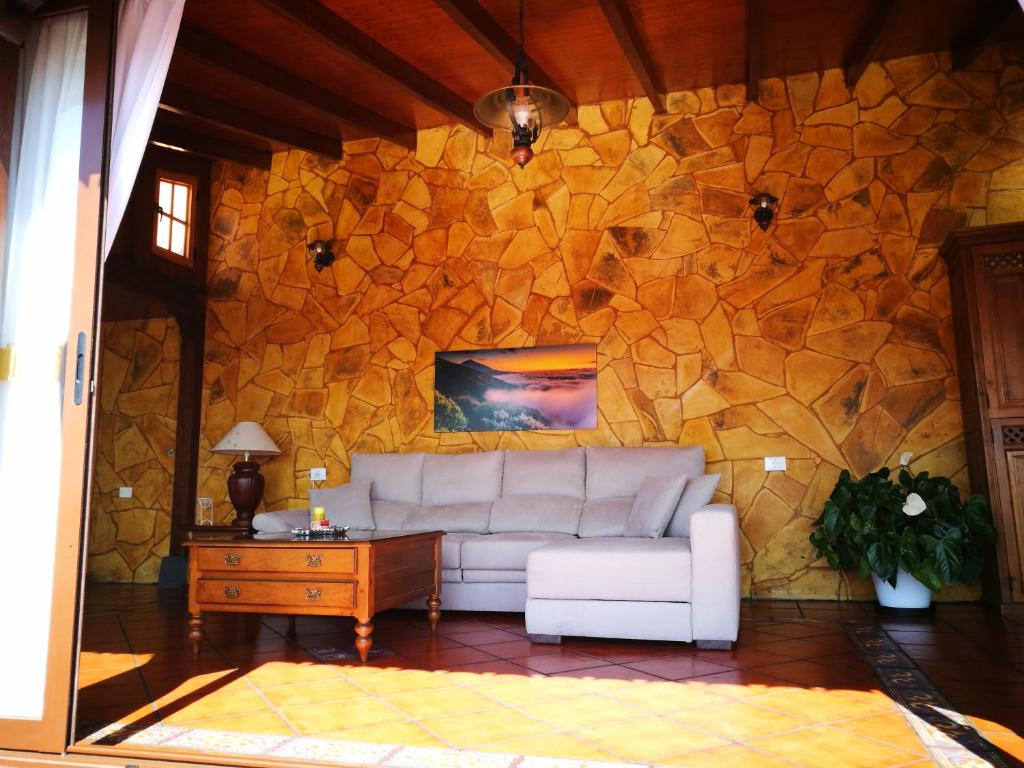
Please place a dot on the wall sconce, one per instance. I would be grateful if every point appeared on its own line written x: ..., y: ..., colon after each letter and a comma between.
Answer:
x: 764, y: 204
x: 322, y: 255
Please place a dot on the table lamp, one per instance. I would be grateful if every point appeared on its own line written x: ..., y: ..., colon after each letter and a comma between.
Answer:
x: 245, y: 485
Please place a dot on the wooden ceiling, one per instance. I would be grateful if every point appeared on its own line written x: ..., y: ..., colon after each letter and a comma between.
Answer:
x: 254, y: 76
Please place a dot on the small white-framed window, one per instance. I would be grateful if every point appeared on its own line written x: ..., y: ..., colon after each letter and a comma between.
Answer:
x: 173, y: 216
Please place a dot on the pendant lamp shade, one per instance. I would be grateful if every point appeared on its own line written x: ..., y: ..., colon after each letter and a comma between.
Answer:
x: 544, y: 106
x: 247, y: 438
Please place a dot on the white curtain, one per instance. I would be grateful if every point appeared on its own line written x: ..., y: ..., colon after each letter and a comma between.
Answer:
x: 35, y: 299
x: 146, y: 31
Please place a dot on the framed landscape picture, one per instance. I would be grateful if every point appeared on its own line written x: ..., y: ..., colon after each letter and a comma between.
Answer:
x: 497, y: 389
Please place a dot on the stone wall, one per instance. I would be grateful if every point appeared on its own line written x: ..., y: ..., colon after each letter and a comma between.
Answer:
x: 826, y: 339
x: 135, y: 428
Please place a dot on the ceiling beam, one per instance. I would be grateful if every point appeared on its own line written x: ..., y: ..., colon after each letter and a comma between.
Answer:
x: 211, y: 50
x: 473, y: 19
x: 982, y: 32
x: 621, y: 21
x: 194, y: 142
x: 755, y: 47
x: 320, y: 22
x: 868, y: 47
x: 185, y: 101
x: 14, y: 24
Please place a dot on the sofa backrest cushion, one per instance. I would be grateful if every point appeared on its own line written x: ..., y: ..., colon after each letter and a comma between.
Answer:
x: 390, y: 515
x: 451, y: 518
x: 545, y: 513
x: 345, y: 505
x: 395, y: 476
x: 605, y: 517
x: 619, y: 472
x: 654, y: 506
x: 462, y: 478
x: 530, y: 473
x: 696, y: 494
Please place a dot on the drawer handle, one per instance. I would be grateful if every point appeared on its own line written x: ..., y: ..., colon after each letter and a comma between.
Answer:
x: 232, y: 558
x: 232, y: 592
x: 313, y: 593
x: 314, y: 561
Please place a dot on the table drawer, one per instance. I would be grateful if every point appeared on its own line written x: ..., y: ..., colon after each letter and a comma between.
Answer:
x: 278, y: 559
x: 330, y: 594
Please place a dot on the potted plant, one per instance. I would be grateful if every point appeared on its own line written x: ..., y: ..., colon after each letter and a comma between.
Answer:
x: 911, y: 536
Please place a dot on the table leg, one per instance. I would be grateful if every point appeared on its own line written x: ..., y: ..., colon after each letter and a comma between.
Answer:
x: 364, y: 639
x: 195, y: 631
x: 434, y: 610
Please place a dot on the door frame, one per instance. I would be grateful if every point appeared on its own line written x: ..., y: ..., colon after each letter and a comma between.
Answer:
x: 52, y: 732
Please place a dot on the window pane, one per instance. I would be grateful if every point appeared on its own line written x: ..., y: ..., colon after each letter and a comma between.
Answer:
x: 165, y: 195
x: 178, y: 238
x: 181, y: 202
x: 163, y: 232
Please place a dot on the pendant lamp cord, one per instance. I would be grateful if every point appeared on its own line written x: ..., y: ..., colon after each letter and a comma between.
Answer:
x: 522, y: 26
x: 521, y: 74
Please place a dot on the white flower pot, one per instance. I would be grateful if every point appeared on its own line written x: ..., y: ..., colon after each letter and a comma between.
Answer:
x: 909, y: 592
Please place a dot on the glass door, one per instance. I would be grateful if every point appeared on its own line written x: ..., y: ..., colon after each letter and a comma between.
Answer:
x: 48, y: 297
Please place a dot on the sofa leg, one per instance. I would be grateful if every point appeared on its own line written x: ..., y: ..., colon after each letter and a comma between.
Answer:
x: 714, y: 645
x: 548, y: 639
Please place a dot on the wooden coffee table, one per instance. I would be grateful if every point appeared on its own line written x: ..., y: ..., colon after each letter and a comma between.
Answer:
x: 277, y: 573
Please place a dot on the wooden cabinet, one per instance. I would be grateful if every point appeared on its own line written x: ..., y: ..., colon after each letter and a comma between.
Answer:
x: 986, y: 272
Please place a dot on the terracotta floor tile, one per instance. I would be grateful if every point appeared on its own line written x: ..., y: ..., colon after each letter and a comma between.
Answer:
x: 822, y: 706
x: 582, y: 711
x: 341, y: 715
x: 487, y: 636
x: 796, y: 630
x: 277, y: 672
x: 256, y: 722
x: 444, y: 701
x: 405, y: 734
x: 609, y: 672
x: 448, y: 657
x: 319, y: 692
x: 521, y: 647
x: 496, y: 667
x: 648, y: 740
x: 740, y: 684
x: 891, y: 727
x: 550, y: 745
x: 1010, y: 743
x: 731, y: 756
x: 821, y: 748
x: 564, y: 661
x: 678, y: 667
x: 740, y: 721
x: 812, y: 675
x: 385, y: 681
x: 741, y: 658
x: 220, y: 703
x: 471, y: 730
x: 668, y: 698
x: 523, y: 691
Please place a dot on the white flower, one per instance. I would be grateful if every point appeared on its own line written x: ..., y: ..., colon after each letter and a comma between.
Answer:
x: 914, y: 506
x: 905, y: 458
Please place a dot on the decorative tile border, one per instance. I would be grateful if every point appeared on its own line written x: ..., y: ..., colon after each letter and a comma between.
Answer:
x: 949, y: 736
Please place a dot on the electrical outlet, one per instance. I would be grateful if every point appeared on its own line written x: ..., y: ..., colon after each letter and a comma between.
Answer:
x: 318, y: 473
x: 124, y: 492
x: 774, y: 463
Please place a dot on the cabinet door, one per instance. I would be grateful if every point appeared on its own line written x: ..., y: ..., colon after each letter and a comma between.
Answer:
x: 1015, y: 471
x: 1002, y: 304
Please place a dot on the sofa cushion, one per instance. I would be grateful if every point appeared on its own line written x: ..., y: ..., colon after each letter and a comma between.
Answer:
x: 530, y: 473
x: 611, y: 569
x: 493, y: 577
x: 543, y: 513
x: 617, y: 472
x: 280, y: 521
x: 462, y: 478
x: 451, y: 549
x: 451, y: 575
x: 654, y: 506
x: 345, y: 505
x: 390, y: 515
x: 696, y: 495
x: 395, y: 476
x: 604, y: 517
x: 505, y: 551
x: 451, y: 518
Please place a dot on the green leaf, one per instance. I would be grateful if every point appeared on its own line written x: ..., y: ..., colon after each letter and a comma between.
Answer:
x: 928, y: 576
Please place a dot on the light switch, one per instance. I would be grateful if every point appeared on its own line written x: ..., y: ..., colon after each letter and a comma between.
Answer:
x: 318, y: 473
x: 774, y: 463
x: 124, y: 492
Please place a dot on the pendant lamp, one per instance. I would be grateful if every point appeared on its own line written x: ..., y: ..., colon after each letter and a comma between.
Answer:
x: 522, y: 108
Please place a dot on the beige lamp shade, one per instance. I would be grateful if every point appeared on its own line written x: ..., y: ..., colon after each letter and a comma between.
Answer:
x: 247, y: 438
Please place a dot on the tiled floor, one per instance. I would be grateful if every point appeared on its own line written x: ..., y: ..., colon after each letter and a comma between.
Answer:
x: 794, y: 690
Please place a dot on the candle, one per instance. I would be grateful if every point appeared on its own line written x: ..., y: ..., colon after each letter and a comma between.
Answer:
x: 318, y: 514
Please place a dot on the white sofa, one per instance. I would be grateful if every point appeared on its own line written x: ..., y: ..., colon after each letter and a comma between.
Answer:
x: 542, y: 532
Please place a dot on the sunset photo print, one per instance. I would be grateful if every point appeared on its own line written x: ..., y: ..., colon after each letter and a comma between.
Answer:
x: 513, y: 389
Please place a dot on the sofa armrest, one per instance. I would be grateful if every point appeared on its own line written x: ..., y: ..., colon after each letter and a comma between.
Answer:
x: 715, y: 590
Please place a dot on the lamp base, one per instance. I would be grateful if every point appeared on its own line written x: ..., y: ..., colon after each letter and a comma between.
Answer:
x: 245, y: 489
